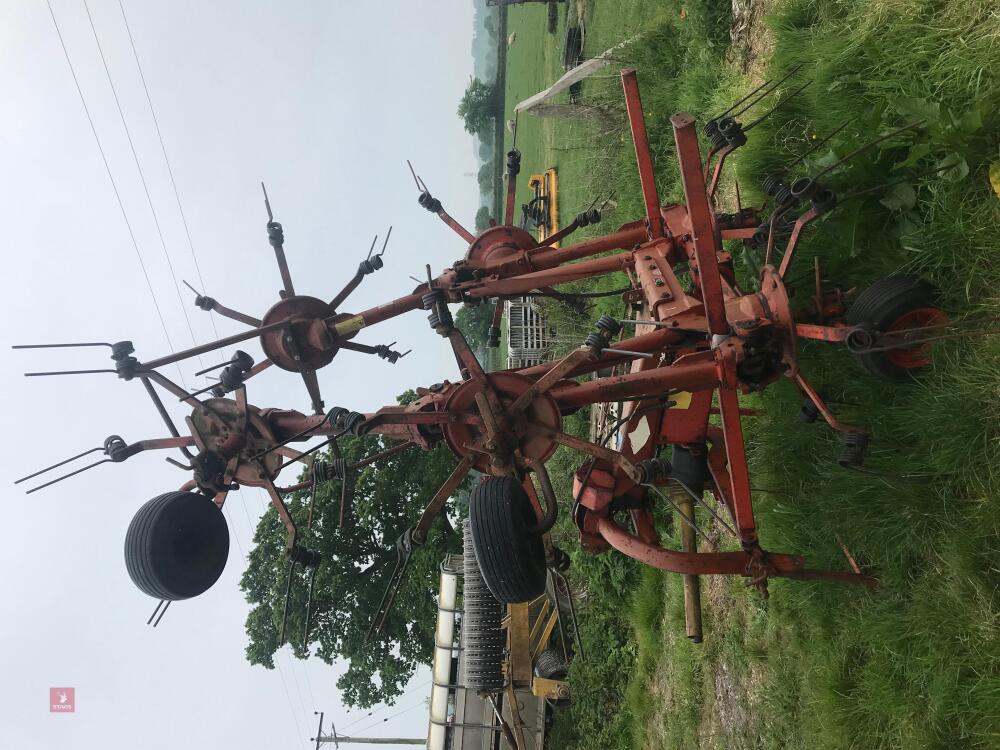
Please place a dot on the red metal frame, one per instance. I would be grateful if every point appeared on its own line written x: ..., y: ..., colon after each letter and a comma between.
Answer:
x: 706, y: 342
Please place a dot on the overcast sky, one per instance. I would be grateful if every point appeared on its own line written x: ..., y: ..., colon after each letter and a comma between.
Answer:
x: 324, y: 101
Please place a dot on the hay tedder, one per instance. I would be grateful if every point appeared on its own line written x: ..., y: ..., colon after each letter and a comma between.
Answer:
x: 690, y: 351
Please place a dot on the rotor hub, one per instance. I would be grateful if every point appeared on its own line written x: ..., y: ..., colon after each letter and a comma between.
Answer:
x: 306, y: 342
x: 514, y: 435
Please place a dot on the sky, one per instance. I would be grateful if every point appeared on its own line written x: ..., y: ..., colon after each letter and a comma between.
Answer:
x: 324, y: 101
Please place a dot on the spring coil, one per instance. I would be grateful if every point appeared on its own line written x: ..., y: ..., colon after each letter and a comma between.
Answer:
x: 852, y: 455
x: 326, y: 471
x: 370, y: 265
x: 429, y: 202
x: 113, y: 447
x: 275, y: 234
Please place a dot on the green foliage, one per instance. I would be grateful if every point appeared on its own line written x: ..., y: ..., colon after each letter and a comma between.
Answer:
x: 482, y: 218
x: 917, y: 663
x: 477, y: 107
x: 387, y: 498
x: 486, y: 176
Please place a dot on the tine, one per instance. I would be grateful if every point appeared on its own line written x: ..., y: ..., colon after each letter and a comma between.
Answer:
x: 267, y: 203
x: 776, y: 107
x: 213, y: 367
x: 386, y: 241
x: 162, y: 612
x: 820, y: 143
x: 59, y: 346
x: 160, y: 604
x: 868, y: 145
x: 61, y: 463
x: 312, y: 587
x: 372, y: 248
x: 414, y: 173
x: 288, y: 594
x: 738, y: 103
x: 65, y: 372
x: 770, y: 89
x: 67, y: 476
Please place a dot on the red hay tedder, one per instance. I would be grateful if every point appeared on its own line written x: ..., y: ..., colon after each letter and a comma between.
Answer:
x: 693, y: 352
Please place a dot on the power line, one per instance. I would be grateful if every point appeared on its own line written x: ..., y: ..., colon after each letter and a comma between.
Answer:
x: 142, y: 179
x: 295, y: 679
x: 289, y: 697
x: 384, y: 707
x: 305, y: 671
x: 393, y: 716
x: 114, y: 186
x: 170, y: 171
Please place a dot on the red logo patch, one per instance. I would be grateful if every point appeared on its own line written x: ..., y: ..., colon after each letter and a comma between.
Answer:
x: 62, y: 700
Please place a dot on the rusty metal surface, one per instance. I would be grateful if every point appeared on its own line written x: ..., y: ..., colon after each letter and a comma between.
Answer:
x: 710, y: 341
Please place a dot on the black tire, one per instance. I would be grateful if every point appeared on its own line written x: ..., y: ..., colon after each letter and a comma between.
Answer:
x: 176, y: 546
x: 482, y: 638
x: 878, y: 307
x: 551, y: 665
x: 690, y: 468
x: 512, y: 561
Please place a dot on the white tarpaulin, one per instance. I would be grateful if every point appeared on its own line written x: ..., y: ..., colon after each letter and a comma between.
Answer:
x: 581, y: 71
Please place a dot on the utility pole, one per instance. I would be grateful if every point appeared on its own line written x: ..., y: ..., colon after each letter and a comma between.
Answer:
x: 337, y: 739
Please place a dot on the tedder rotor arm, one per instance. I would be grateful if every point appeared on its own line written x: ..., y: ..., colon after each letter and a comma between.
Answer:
x: 416, y: 535
x: 209, y: 304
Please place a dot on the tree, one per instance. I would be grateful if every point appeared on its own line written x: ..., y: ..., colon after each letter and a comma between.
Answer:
x: 485, y: 176
x: 474, y: 323
x: 477, y: 108
x: 482, y: 218
x: 388, y: 497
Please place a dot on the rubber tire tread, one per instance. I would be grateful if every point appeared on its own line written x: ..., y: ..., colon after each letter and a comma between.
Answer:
x: 879, y: 306
x: 481, y: 638
x: 550, y: 665
x: 511, y: 561
x: 141, y: 551
x: 689, y: 469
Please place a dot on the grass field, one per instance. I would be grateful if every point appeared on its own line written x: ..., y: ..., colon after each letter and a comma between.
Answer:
x: 917, y: 663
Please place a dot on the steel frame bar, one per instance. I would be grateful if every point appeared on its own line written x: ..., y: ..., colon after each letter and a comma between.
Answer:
x: 793, y: 241
x: 644, y: 161
x: 703, y: 237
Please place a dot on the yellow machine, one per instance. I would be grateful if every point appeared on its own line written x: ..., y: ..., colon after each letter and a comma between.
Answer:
x: 542, y: 212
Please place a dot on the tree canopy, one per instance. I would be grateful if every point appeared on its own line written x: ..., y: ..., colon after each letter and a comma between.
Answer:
x: 388, y: 497
x: 482, y: 219
x: 477, y: 107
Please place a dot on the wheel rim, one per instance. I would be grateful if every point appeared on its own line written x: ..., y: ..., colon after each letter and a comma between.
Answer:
x: 918, y: 355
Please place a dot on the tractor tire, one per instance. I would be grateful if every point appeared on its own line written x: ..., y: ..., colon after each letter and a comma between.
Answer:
x: 551, y: 665
x: 895, y: 302
x: 482, y: 639
x: 690, y: 468
x: 511, y: 560
x: 176, y: 546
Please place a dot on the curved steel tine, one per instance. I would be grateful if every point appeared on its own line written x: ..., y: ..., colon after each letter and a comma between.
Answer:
x: 163, y: 612
x: 385, y: 243
x: 372, y: 248
x: 61, y: 463
x: 65, y: 372
x: 403, y: 553
x: 312, y: 587
x: 67, y: 476
x: 288, y: 594
x: 61, y: 346
x: 776, y: 107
